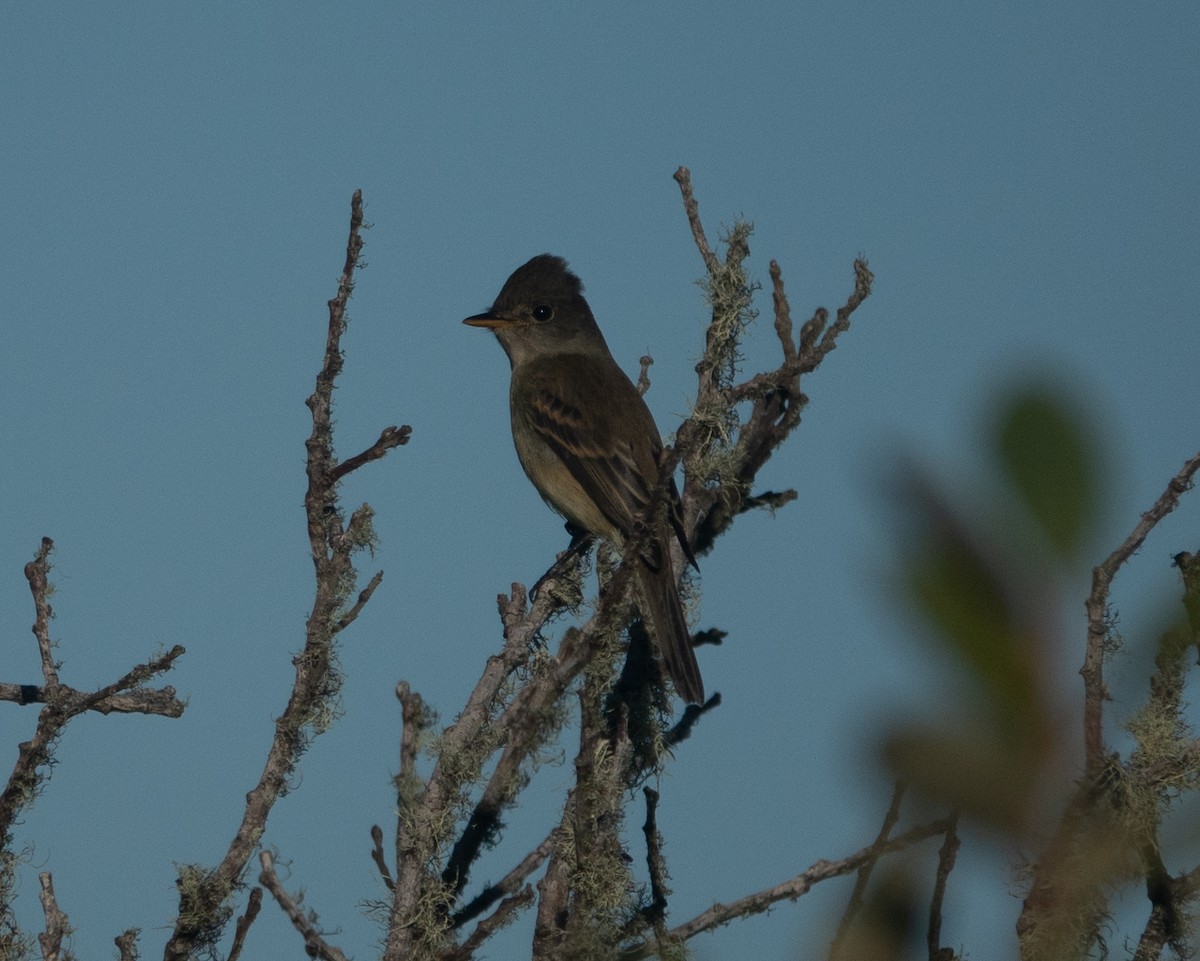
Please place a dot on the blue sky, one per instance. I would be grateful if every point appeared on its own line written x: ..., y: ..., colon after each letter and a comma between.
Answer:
x: 175, y: 192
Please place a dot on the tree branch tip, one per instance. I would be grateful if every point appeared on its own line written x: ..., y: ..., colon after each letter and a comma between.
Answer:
x: 518, y: 599
x: 389, y: 439
x: 687, y: 722
x: 643, y: 381
x: 711, y: 635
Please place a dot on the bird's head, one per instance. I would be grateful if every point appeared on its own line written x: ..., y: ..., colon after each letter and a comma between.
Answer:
x: 541, y: 310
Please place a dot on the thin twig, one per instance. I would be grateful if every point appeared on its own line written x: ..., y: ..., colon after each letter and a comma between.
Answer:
x: 643, y: 381
x: 501, y: 787
x: 315, y: 946
x: 390, y: 438
x: 363, y: 597
x: 508, y: 884
x: 57, y: 924
x: 783, y: 314
x: 132, y: 678
x: 140, y: 700
x: 504, y: 914
x: 777, y: 402
x: 253, y: 906
x: 863, y: 278
x: 789, y: 890
x: 687, y: 722
x: 656, y: 911
x: 378, y: 857
x: 413, y: 721
x: 854, y: 905
x: 683, y: 177
x: 126, y: 943
x: 62, y: 703
x: 37, y: 573
x: 946, y: 858
x: 1157, y: 934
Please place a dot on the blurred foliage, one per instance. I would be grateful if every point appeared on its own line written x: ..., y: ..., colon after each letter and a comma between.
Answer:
x: 983, y: 587
x: 983, y: 570
x: 1050, y: 459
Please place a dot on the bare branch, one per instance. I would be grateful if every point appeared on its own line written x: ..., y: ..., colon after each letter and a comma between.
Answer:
x: 162, y: 702
x: 1157, y: 933
x: 414, y: 719
x: 783, y: 314
x: 946, y: 858
x: 378, y: 857
x: 363, y: 597
x: 391, y: 437
x: 854, y: 905
x: 776, y: 402
x: 507, y: 885
x: 683, y: 177
x: 315, y: 946
x: 423, y: 819
x: 204, y: 899
x: 504, y: 914
x: 62, y: 703
x: 520, y: 726
x: 691, y: 717
x: 37, y: 574
x: 126, y: 943
x: 1092, y: 671
x: 863, y: 279
x: 57, y: 925
x: 554, y: 891
x: 137, y: 675
x: 789, y: 890
x: 643, y: 381
x: 253, y: 906
x: 656, y: 911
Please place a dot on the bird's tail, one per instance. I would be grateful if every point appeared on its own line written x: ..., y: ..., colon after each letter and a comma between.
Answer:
x: 664, y: 611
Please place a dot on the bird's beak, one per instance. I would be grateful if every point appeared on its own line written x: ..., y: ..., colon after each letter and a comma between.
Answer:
x: 487, y: 319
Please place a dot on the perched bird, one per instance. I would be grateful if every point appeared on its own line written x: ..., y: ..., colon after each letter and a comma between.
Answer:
x: 587, y: 440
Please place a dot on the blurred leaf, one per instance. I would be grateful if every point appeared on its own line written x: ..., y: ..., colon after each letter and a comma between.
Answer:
x: 986, y: 778
x: 891, y: 924
x: 963, y: 594
x: 1051, y: 461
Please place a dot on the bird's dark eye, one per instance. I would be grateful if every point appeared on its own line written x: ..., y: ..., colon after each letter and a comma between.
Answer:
x: 542, y: 313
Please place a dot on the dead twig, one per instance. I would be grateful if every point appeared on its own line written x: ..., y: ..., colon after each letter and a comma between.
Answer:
x: 789, y: 890
x: 1095, y: 692
x: 315, y: 946
x: 57, y: 925
x: 854, y: 905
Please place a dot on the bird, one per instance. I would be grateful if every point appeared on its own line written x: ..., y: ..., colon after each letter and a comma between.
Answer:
x: 588, y: 442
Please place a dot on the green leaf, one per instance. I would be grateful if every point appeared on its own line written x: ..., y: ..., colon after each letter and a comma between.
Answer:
x: 964, y: 598
x: 969, y: 769
x: 1051, y: 462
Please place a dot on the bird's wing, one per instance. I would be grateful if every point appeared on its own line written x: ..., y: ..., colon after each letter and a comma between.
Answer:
x: 615, y: 461
x: 599, y: 459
